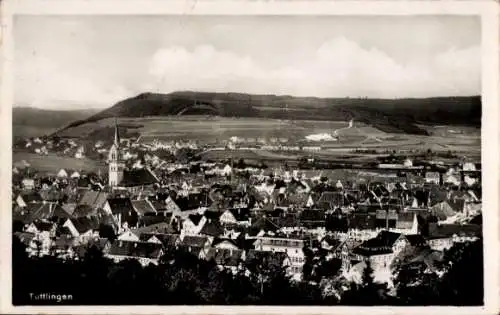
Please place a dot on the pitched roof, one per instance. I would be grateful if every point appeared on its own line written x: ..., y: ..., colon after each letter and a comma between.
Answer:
x: 69, y: 208
x: 221, y: 240
x: 138, y: 177
x: 330, y: 199
x: 84, y: 224
x: 379, y: 245
x: 83, y: 211
x: 143, y: 207
x: 162, y: 227
x: 158, y: 205
x: 193, y: 201
x: 95, y: 199
x: 194, y: 241
x: 43, y: 225
x: 171, y: 205
x: 195, y: 218
x: 168, y: 240
x: 120, y: 205
x: 240, y: 214
x: 46, y: 211
x: 136, y: 249
x: 212, y: 228
x: 30, y: 196
x: 148, y: 220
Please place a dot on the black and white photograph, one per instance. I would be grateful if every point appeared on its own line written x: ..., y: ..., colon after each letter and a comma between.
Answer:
x: 248, y: 159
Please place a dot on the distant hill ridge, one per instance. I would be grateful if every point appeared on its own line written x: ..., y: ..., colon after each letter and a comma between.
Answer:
x: 389, y: 115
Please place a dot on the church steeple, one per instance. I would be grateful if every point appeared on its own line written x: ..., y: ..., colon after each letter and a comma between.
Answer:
x: 117, y: 135
x: 116, y: 165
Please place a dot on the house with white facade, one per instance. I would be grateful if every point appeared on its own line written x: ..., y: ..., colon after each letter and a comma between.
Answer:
x: 291, y: 246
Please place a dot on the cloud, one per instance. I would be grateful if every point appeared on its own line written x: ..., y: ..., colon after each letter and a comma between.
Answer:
x: 339, y: 67
x: 43, y: 82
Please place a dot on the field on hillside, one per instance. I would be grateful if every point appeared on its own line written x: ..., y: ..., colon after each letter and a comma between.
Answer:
x: 27, y: 131
x: 210, y: 129
x: 53, y: 163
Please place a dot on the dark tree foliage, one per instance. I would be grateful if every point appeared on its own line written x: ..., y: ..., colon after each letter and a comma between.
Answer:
x: 368, y: 292
x: 461, y: 282
x: 182, y: 279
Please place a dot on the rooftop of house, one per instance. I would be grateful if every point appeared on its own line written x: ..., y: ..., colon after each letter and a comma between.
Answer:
x: 379, y: 245
x: 194, y: 241
x: 143, y: 207
x: 136, y: 249
x: 168, y: 240
x: 138, y: 177
x: 85, y: 224
x: 195, y: 218
x: 30, y: 196
x: 120, y: 205
x: 212, y: 228
x: 94, y: 199
x: 240, y: 214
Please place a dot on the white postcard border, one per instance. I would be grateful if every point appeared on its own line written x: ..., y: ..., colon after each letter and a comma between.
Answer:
x: 489, y: 12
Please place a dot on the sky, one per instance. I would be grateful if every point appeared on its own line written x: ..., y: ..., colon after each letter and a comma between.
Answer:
x: 95, y: 61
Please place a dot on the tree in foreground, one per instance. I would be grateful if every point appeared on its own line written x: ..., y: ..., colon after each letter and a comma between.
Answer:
x: 368, y: 292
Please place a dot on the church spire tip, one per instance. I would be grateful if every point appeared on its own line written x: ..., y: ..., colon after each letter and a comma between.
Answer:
x: 117, y: 136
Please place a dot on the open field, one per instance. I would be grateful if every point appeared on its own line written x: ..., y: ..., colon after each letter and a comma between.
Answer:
x: 210, y: 128
x: 53, y: 163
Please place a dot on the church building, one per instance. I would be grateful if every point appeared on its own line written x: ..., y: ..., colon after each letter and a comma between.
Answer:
x: 123, y: 178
